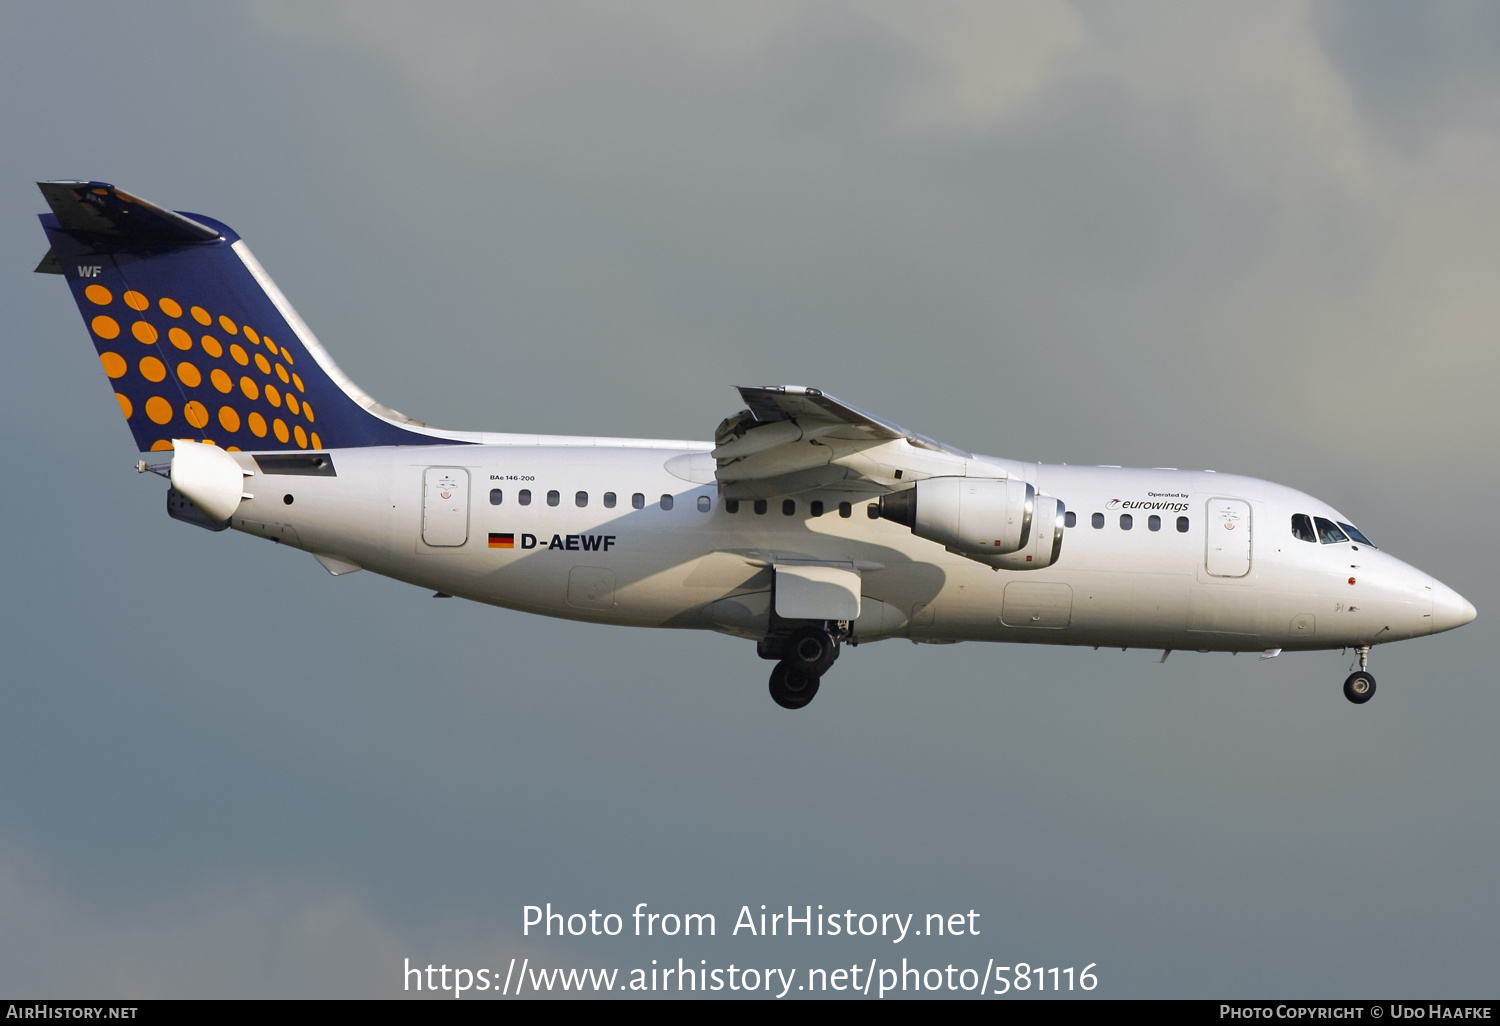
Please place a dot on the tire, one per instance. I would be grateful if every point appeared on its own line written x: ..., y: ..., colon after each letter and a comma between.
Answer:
x: 790, y: 688
x: 1359, y: 688
x: 811, y: 650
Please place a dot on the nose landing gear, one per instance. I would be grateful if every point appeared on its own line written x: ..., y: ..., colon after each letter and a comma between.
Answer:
x: 1360, y: 687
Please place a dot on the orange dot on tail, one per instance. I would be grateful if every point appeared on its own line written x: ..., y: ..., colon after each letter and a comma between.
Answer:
x: 229, y: 419
x: 307, y: 412
x: 282, y: 374
x: 136, y: 301
x: 144, y: 333
x: 99, y: 295
x: 221, y: 380
x: 212, y: 346
x: 228, y: 325
x: 126, y: 406
x: 271, y: 345
x: 301, y: 436
x: 180, y: 339
x: 257, y: 424
x: 240, y: 356
x: 170, y: 307
x: 281, y: 432
x: 114, y: 364
x: 158, y: 409
x: 153, y: 369
x: 317, y: 443
x: 105, y: 327
x: 189, y: 375
x: 160, y: 445
x: 263, y: 363
x: 249, y: 387
x: 201, y: 316
x: 196, y: 414
x: 291, y: 402
x: 272, y: 396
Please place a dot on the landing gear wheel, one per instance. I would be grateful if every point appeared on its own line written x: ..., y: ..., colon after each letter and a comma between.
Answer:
x: 1360, y: 687
x: 790, y: 688
x: 811, y: 651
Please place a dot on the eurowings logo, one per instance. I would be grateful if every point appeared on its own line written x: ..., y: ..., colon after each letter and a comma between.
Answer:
x: 1165, y: 507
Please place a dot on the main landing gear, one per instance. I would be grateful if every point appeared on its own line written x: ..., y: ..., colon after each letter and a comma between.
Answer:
x: 804, y: 656
x: 1360, y: 687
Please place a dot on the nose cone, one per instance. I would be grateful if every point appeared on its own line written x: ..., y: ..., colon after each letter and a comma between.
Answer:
x: 1449, y: 608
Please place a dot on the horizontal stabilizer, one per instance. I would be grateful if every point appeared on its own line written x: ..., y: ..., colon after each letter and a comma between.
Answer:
x: 98, y: 208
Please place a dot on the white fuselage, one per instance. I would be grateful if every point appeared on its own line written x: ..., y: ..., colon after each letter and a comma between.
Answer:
x: 426, y: 514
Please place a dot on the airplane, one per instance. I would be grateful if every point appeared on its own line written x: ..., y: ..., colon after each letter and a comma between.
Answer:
x: 804, y: 526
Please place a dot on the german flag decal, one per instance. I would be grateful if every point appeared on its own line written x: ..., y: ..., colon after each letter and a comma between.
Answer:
x: 502, y: 541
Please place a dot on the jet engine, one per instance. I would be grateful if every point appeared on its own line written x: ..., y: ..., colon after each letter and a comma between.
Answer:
x: 1000, y: 522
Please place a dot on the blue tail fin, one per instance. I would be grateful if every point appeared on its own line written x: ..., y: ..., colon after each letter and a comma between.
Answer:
x: 197, y: 340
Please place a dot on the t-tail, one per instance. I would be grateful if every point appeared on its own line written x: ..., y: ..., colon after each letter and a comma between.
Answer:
x: 197, y: 341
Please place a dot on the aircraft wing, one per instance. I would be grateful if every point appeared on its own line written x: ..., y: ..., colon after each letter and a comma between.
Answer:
x: 792, y: 439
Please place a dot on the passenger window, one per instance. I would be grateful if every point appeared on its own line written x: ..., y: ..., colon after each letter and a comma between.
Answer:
x: 553, y: 498
x: 1302, y: 528
x: 609, y: 500
x: 524, y: 496
x: 495, y: 496
x: 1327, y: 533
x: 846, y: 510
x: 666, y: 502
x: 1182, y: 525
x: 1353, y: 533
x: 1070, y: 519
x: 1154, y: 522
x: 1098, y: 521
x: 705, y: 504
x: 1126, y: 521
x: 731, y: 505
x: 760, y: 507
x: 581, y: 499
x: 816, y: 507
x: 638, y: 501
x: 788, y: 507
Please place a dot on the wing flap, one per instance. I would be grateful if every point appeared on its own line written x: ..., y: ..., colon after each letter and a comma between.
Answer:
x: 793, y: 439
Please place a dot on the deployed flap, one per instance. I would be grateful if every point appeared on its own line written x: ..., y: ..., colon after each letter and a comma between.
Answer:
x: 817, y: 414
x: 793, y: 439
x: 809, y: 591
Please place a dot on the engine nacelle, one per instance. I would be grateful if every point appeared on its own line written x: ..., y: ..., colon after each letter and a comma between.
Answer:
x: 1047, y: 526
x: 972, y: 516
x: 1002, y: 523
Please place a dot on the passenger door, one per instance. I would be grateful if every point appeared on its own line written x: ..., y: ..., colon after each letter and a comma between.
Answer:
x: 1228, y: 538
x: 445, y: 506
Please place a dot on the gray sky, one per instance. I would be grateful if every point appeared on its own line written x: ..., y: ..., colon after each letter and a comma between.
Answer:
x: 1261, y: 238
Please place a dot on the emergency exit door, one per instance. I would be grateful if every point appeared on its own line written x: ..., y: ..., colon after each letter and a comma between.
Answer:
x: 445, y: 506
x: 1228, y: 537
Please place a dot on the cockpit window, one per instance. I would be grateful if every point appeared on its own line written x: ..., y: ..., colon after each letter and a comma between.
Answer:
x: 1302, y: 528
x: 1353, y: 532
x: 1328, y: 534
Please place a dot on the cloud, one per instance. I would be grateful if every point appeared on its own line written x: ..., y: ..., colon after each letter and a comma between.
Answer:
x: 237, y: 938
x: 972, y: 62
